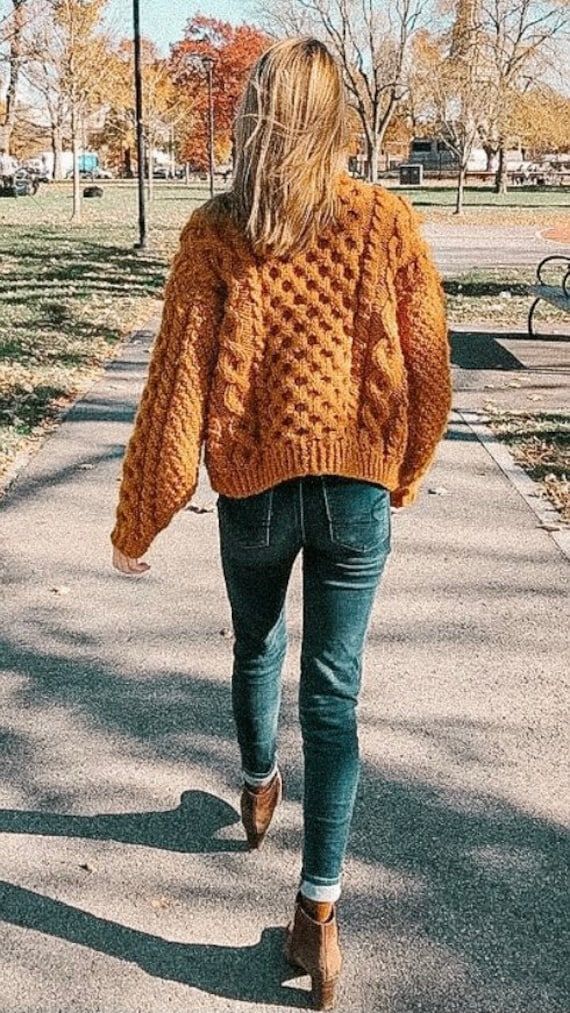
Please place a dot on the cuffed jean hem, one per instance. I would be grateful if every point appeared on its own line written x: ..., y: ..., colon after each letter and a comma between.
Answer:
x: 330, y: 893
x: 257, y: 781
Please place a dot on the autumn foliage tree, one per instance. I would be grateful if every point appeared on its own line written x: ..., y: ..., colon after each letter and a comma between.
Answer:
x: 163, y: 107
x: 70, y: 65
x: 521, y: 50
x: 13, y: 29
x: 233, y: 49
x: 451, y: 92
x: 542, y: 121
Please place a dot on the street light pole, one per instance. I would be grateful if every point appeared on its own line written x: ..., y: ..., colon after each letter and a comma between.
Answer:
x: 142, y: 241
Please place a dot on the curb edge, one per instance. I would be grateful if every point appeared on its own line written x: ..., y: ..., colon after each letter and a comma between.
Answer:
x: 528, y: 489
x: 25, y: 456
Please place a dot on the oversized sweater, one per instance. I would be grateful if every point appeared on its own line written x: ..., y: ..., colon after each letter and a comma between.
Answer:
x: 333, y: 359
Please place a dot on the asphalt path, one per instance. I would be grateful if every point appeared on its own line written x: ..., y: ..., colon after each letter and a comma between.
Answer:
x: 459, y: 248
x: 124, y: 882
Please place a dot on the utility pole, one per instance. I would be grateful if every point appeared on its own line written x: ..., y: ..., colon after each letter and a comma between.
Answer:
x: 142, y: 240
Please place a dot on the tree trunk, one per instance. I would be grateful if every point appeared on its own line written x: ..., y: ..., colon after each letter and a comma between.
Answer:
x: 14, y: 59
x: 57, y: 151
x: 150, y: 170
x: 374, y: 161
x: 490, y: 155
x: 460, y: 189
x: 501, y: 177
x: 371, y: 158
x: 172, y: 154
x: 76, y: 215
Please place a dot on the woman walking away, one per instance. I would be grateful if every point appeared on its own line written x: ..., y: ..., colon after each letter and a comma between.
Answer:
x: 304, y: 342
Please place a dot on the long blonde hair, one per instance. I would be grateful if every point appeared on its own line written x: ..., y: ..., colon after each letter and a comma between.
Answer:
x: 290, y: 139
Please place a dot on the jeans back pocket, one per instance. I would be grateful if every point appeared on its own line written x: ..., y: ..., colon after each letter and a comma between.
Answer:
x: 246, y: 520
x: 358, y: 513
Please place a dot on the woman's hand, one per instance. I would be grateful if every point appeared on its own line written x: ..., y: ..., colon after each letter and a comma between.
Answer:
x: 126, y: 564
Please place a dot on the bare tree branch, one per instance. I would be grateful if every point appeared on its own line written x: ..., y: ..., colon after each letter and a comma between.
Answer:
x: 370, y: 39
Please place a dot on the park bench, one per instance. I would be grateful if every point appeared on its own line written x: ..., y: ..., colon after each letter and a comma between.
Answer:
x: 557, y: 295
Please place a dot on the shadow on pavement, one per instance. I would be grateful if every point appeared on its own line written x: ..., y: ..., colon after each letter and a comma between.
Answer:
x: 489, y: 892
x: 190, y: 828
x: 478, y: 350
x: 248, y: 973
x: 494, y: 877
x: 192, y: 707
x: 92, y: 266
x: 479, y: 879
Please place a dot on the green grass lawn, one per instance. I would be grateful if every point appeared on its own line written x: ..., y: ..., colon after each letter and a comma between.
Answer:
x: 69, y: 294
x: 521, y: 198
x: 500, y: 296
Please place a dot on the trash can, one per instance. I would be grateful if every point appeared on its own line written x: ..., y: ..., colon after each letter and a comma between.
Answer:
x: 411, y: 175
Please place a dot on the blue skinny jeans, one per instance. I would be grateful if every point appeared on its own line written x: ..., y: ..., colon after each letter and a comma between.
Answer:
x: 342, y: 525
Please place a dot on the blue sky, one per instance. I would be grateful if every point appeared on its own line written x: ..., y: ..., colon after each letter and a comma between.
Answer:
x: 164, y: 20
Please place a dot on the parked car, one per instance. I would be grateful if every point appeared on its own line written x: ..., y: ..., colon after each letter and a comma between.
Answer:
x: 22, y: 184
x: 37, y: 169
x: 91, y: 174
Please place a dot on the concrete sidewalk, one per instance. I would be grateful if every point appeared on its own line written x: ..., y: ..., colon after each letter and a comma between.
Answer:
x: 125, y: 883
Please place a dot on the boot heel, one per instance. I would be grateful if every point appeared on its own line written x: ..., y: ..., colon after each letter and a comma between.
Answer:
x: 323, y: 992
x: 312, y: 947
x: 254, y: 841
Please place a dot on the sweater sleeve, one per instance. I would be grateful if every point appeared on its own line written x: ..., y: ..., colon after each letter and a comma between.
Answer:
x: 422, y: 325
x: 160, y: 467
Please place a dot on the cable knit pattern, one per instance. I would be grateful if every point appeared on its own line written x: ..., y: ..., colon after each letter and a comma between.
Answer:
x: 331, y: 360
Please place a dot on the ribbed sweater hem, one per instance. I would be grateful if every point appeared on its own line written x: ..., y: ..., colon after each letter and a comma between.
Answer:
x: 342, y: 457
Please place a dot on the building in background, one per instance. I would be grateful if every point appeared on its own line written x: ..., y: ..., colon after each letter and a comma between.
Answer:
x: 435, y: 156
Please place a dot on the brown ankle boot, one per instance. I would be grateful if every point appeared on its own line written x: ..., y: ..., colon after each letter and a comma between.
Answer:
x: 257, y: 808
x: 313, y: 947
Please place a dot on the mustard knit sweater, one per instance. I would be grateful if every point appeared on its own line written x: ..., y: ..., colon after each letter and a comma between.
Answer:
x: 332, y: 360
